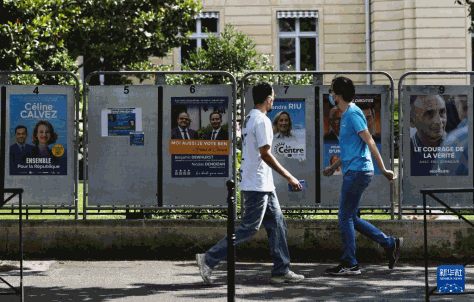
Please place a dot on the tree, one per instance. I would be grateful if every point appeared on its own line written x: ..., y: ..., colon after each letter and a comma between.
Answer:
x: 234, y: 52
x: 51, y: 34
x: 126, y: 33
x: 32, y: 34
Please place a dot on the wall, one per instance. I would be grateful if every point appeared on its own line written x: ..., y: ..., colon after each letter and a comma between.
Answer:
x: 315, y: 240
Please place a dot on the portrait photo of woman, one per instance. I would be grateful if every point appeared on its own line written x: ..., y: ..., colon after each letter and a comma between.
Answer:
x: 43, y: 135
x: 283, y: 126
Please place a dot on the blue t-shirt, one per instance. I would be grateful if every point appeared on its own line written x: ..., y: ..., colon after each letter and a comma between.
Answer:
x: 355, y: 153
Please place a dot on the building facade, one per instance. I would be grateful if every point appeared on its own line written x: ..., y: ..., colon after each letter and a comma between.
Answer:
x: 406, y: 35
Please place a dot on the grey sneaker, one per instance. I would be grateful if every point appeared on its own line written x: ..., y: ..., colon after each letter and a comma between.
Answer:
x: 290, y: 277
x: 204, y: 269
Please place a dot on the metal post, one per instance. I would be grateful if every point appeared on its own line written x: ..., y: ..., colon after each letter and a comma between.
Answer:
x: 426, y: 248
x: 21, y: 248
x: 230, y: 242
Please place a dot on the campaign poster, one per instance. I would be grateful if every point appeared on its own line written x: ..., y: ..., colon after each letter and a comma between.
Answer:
x: 370, y: 104
x: 289, y: 132
x: 137, y: 138
x: 200, y: 138
x: 439, y: 146
x: 38, y: 134
x: 120, y: 121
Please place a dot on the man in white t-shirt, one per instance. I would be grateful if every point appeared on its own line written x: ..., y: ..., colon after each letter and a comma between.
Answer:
x: 261, y: 202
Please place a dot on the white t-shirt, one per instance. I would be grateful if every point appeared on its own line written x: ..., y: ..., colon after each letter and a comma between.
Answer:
x: 257, y: 132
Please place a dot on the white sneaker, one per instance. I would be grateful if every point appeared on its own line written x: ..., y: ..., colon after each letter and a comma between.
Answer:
x: 290, y: 277
x: 204, y: 269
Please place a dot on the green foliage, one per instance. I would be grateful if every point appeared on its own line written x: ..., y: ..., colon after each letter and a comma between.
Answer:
x: 33, y: 38
x: 470, y: 9
x: 50, y: 34
x: 234, y: 52
x: 126, y: 33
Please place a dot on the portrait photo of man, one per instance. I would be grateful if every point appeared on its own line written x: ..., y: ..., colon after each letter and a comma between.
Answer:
x: 369, y: 114
x: 217, y: 132
x: 183, y: 131
x: 20, y: 150
x: 335, y: 115
x: 428, y: 116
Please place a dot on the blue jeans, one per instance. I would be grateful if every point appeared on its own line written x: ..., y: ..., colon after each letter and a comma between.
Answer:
x: 259, y: 207
x: 353, y: 186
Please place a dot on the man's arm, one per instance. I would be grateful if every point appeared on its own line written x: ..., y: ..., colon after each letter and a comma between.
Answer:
x: 331, y: 169
x: 270, y: 160
x: 367, y: 138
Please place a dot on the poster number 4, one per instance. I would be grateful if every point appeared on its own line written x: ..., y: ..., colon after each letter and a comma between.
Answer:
x: 36, y: 90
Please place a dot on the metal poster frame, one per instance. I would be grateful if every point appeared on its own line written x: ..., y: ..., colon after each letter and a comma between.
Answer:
x: 317, y: 81
x: 20, y: 191
x: 400, y: 116
x: 230, y: 184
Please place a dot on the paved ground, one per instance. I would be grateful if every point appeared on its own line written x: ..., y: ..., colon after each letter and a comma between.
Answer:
x: 180, y: 281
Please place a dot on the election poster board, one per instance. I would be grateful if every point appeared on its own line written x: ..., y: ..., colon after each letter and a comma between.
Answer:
x: 374, y: 101
x: 203, y: 152
x: 436, y: 145
x: 38, y: 123
x: 40, y: 142
x: 293, y: 125
x: 122, y: 145
x: 197, y: 144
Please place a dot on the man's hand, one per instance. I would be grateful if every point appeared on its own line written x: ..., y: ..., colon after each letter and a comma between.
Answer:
x: 329, y: 171
x: 295, y: 184
x: 389, y: 175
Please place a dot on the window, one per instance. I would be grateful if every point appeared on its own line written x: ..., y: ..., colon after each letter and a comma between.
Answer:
x: 206, y: 20
x: 297, y: 40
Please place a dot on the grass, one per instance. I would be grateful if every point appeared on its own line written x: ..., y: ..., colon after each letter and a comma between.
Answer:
x: 54, y: 214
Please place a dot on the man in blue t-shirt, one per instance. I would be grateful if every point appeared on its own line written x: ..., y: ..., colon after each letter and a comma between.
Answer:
x: 356, y: 145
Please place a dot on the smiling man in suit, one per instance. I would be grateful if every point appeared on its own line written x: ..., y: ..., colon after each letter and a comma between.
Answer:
x: 183, y: 131
x: 20, y: 150
x: 217, y: 132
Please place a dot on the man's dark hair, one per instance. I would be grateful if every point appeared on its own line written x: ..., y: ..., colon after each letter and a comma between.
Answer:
x: 260, y: 92
x: 21, y: 127
x: 344, y: 87
x: 215, y: 112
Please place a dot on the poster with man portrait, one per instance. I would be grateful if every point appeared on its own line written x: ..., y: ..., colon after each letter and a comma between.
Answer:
x: 370, y: 104
x: 289, y: 132
x: 439, y: 135
x: 200, y: 137
x: 38, y: 134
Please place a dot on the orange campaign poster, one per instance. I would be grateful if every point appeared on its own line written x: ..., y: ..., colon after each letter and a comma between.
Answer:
x: 199, y: 144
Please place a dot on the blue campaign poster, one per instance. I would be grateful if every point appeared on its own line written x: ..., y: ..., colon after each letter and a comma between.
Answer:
x: 289, y: 129
x: 38, y: 134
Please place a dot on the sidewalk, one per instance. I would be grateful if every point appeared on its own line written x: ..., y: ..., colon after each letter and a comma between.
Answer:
x: 131, y: 281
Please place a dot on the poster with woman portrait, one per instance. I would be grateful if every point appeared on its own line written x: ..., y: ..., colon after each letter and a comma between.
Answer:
x: 38, y: 134
x: 289, y: 131
x: 370, y: 104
